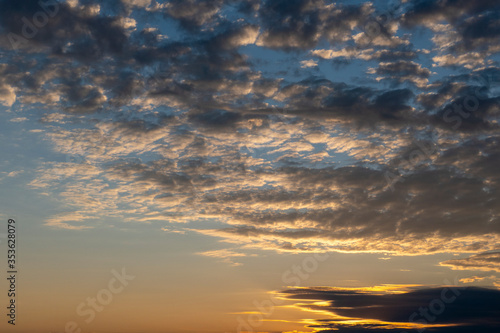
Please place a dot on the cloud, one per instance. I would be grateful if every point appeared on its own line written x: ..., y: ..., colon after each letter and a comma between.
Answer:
x: 470, y: 110
x: 69, y: 31
x: 214, y: 114
x: 15, y: 173
x: 355, y: 105
x: 18, y: 119
x: 226, y: 255
x: 469, y: 60
x: 489, y: 261
x: 469, y: 34
x: 265, y: 201
x: 193, y: 14
x: 301, y: 24
x: 386, y: 309
x: 60, y: 221
x: 402, y: 71
x: 238, y: 37
x: 473, y: 279
x: 170, y: 230
x: 366, y: 54
x: 429, y: 11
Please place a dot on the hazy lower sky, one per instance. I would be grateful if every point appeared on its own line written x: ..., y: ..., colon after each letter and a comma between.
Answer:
x: 215, y: 166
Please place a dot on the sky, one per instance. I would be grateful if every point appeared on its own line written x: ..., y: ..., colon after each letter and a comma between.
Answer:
x: 216, y: 166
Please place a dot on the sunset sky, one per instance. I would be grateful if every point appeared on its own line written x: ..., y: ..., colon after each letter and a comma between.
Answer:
x: 219, y: 166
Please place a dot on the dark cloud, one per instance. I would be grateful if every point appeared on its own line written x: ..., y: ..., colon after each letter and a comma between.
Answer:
x: 389, y: 55
x: 192, y: 14
x: 451, y: 309
x: 361, y: 106
x: 66, y: 31
x: 441, y: 203
x: 423, y: 11
x: 475, y: 22
x: 470, y: 110
x: 217, y: 118
x: 402, y: 68
x: 83, y: 98
x: 481, y: 31
x: 300, y: 24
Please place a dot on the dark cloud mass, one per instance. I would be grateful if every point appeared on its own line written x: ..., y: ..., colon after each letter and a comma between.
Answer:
x: 303, y: 23
x: 72, y: 32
